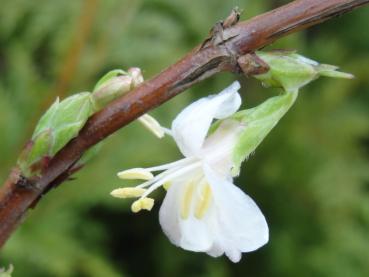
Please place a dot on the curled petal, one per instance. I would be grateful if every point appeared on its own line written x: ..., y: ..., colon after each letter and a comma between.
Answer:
x: 232, y: 222
x: 218, y: 148
x: 191, y: 126
x: 239, y: 224
x: 190, y: 233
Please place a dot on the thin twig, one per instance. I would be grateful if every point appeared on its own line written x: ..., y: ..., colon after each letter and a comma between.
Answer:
x: 218, y: 54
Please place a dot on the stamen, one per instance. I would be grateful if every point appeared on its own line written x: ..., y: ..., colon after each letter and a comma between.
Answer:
x: 167, y: 185
x: 171, y: 168
x: 168, y: 177
x: 204, y: 202
x: 152, y: 125
x: 147, y: 203
x: 187, y: 199
x: 157, y: 177
x: 167, y: 131
x: 135, y: 174
x: 128, y: 192
x: 171, y: 165
x: 142, y: 204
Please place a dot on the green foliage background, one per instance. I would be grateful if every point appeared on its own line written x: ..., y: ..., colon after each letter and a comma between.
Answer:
x: 310, y: 176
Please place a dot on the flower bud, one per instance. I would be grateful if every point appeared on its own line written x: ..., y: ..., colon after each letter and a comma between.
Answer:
x: 136, y: 76
x: 114, y: 84
x: 291, y: 71
x: 61, y: 122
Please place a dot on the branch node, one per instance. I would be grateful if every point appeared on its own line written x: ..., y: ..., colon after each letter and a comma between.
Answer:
x: 27, y: 184
x: 216, y: 35
x: 250, y: 64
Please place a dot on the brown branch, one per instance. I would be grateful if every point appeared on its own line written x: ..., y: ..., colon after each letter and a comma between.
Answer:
x: 19, y: 194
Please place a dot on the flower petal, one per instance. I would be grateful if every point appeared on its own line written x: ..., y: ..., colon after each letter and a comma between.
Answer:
x: 190, y: 233
x: 240, y: 225
x: 191, y: 126
x: 218, y: 147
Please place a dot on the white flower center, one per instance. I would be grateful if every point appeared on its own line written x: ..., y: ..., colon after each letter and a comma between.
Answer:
x: 197, y: 194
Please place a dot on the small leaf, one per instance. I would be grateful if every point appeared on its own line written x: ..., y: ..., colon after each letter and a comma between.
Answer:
x: 64, y: 134
x: 258, y: 122
x: 72, y: 109
x: 47, y: 117
x: 61, y: 123
x: 328, y: 70
x: 41, y: 146
x: 35, y: 150
x: 291, y: 71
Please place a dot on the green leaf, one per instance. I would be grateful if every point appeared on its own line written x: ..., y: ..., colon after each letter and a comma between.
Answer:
x: 45, y: 121
x: 61, y: 122
x: 72, y: 109
x: 41, y: 145
x: 72, y: 115
x: 34, y: 152
x: 291, y: 71
x: 258, y: 122
x: 328, y: 70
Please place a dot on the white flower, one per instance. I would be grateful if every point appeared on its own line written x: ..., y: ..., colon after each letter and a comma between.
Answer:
x: 203, y: 210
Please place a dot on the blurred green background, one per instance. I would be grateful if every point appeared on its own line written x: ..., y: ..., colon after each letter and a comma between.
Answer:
x: 310, y: 176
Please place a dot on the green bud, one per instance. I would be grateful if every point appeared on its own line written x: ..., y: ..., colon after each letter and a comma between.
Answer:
x: 36, y: 154
x: 107, y: 77
x: 67, y: 119
x: 258, y: 122
x: 61, y: 122
x: 291, y: 71
x: 114, y: 84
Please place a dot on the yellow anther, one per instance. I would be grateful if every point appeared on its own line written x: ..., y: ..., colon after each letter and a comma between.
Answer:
x: 187, y: 199
x: 147, y: 203
x: 128, y: 192
x: 142, y: 204
x: 135, y: 173
x: 136, y: 206
x: 204, y: 202
x: 167, y: 185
